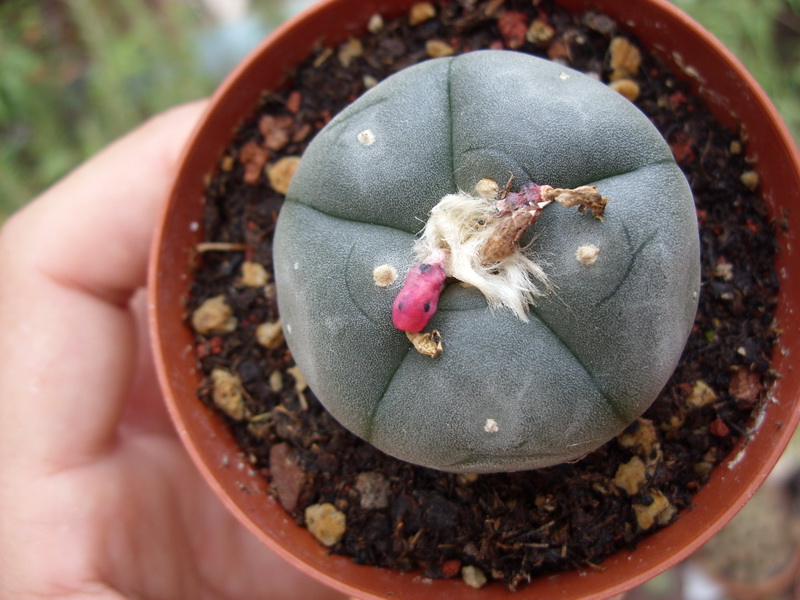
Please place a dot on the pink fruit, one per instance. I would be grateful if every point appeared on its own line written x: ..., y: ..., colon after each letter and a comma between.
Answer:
x: 418, y: 299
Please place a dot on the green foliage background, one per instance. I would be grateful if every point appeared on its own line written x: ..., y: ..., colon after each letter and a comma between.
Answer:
x: 75, y: 74
x: 765, y: 36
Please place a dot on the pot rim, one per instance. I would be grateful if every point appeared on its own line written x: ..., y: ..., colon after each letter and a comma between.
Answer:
x: 738, y: 476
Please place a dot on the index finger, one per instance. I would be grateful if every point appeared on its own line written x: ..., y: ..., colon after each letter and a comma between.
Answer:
x: 93, y: 229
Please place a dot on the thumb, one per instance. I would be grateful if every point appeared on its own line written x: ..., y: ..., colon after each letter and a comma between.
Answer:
x: 70, y: 262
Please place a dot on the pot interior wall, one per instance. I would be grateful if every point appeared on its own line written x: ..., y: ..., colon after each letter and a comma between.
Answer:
x: 735, y: 98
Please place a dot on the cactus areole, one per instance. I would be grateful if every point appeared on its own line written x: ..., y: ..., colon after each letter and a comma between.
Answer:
x: 559, y: 325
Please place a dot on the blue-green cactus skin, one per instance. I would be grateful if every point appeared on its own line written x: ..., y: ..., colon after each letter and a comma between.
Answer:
x: 506, y: 394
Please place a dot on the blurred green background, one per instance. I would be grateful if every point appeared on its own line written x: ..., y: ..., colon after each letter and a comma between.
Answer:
x: 75, y: 74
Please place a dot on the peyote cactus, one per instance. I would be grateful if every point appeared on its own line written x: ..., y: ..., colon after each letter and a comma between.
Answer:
x: 534, y: 371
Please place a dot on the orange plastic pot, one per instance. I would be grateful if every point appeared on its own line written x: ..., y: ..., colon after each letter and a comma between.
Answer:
x: 736, y: 100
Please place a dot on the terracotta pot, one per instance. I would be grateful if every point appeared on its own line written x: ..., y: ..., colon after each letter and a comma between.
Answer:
x: 735, y: 98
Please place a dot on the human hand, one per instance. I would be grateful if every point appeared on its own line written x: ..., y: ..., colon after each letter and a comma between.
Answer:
x: 97, y: 497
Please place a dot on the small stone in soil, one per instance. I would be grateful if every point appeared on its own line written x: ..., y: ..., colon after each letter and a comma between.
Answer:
x: 253, y: 157
x: 473, y: 577
x: 276, y: 381
x: 701, y: 394
x: 745, y: 386
x: 227, y: 394
x: 421, y: 12
x: 630, y: 476
x: 451, y: 568
x: 659, y: 510
x: 750, y: 179
x: 214, y: 316
x: 540, y: 32
x: 281, y: 172
x: 270, y: 334
x: 627, y: 88
x: 640, y: 437
x: 253, y: 274
x: 349, y: 51
x: 326, y: 523
x: 375, y: 24
x: 374, y: 489
x: 276, y: 130
x: 625, y: 58
x: 438, y: 49
x: 287, y: 474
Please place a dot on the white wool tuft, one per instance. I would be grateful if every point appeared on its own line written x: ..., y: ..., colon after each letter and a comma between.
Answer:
x: 460, y: 224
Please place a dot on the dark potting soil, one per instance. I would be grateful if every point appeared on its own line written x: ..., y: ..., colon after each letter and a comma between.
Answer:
x: 513, y: 526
